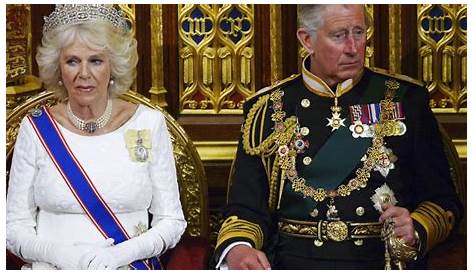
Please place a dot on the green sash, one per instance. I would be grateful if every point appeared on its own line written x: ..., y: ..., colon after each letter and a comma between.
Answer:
x: 342, y: 153
x: 336, y: 159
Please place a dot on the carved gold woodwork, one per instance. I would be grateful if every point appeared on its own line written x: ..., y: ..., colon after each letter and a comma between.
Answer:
x: 18, y: 34
x: 216, y: 58
x: 189, y: 168
x: 394, y: 39
x: 276, y: 43
x: 369, y: 49
x: 442, y: 54
x: 129, y: 12
x: 20, y: 83
x: 215, y: 223
x: 216, y: 150
x: 17, y: 94
x: 157, y: 90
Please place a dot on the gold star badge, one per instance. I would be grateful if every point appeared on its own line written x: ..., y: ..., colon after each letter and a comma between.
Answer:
x: 335, y: 121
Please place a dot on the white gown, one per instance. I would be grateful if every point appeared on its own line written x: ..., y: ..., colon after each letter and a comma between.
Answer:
x: 39, y: 203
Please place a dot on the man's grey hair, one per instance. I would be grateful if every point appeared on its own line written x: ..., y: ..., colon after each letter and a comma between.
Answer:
x: 310, y: 16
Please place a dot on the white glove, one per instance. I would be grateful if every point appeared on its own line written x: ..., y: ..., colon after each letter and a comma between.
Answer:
x: 113, y: 257
x: 61, y: 255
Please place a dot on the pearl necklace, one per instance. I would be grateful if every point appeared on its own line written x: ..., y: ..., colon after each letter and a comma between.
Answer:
x: 90, y: 126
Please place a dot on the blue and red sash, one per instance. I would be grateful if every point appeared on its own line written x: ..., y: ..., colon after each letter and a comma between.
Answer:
x: 81, y: 185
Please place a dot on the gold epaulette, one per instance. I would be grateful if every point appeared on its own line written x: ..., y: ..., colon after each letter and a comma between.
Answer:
x: 437, y: 222
x: 277, y: 84
x: 233, y: 227
x: 397, y: 76
x: 254, y: 141
x: 252, y: 136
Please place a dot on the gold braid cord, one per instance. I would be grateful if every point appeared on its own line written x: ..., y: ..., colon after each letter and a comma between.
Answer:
x: 281, y: 135
x: 266, y: 148
x: 435, y: 220
x: 233, y: 227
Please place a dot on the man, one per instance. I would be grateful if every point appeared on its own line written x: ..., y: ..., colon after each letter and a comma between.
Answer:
x: 339, y: 167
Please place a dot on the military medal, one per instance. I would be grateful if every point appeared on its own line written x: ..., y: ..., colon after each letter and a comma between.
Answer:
x: 299, y: 143
x: 402, y: 128
x: 335, y: 121
x: 385, y: 162
x: 360, y: 130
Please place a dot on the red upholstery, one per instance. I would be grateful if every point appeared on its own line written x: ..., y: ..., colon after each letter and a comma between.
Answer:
x: 189, y: 253
x: 13, y: 262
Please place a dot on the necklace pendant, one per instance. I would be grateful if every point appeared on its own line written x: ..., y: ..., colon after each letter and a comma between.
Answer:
x: 335, y: 121
x: 90, y: 127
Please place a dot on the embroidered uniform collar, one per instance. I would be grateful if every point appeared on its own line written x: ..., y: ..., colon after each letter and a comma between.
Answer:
x: 319, y: 87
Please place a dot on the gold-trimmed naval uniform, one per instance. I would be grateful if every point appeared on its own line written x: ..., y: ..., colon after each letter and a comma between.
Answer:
x: 267, y: 211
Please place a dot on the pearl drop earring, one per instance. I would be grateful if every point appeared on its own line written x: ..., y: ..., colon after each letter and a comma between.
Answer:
x: 112, y: 82
x: 60, y: 83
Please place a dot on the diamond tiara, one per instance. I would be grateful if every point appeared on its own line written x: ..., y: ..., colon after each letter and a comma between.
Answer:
x: 67, y: 14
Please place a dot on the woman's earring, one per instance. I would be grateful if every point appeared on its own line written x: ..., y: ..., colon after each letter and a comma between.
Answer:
x: 111, y: 82
x: 60, y: 83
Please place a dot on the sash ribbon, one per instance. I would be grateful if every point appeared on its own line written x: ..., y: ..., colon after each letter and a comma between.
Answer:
x: 81, y: 185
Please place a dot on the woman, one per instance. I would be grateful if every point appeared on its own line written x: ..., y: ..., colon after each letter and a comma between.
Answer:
x: 121, y: 151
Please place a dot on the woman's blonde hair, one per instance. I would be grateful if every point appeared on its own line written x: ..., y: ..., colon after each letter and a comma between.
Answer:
x: 120, y: 47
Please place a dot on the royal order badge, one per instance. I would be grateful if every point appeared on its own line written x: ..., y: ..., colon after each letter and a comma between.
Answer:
x: 138, y: 144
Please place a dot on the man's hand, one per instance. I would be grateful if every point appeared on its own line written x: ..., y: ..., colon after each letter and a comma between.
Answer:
x: 246, y: 258
x: 403, y: 227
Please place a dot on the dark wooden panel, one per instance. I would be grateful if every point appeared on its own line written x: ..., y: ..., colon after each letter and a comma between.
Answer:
x: 463, y: 225
x: 262, y: 46
x: 381, y: 49
x: 289, y: 25
x: 37, y: 21
x: 217, y: 173
x: 454, y: 124
x: 142, y: 15
x: 409, y: 41
x: 170, y: 57
x: 212, y: 128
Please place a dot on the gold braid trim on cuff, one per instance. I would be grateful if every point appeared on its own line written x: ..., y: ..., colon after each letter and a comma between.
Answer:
x: 234, y: 227
x: 436, y: 221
